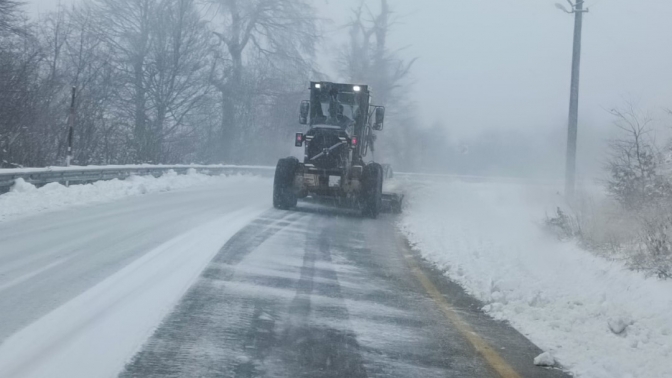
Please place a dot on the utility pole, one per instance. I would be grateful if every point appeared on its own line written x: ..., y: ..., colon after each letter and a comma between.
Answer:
x: 71, y: 127
x: 572, y: 127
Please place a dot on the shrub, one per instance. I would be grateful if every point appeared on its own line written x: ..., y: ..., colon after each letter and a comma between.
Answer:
x: 563, y: 226
x: 656, y: 256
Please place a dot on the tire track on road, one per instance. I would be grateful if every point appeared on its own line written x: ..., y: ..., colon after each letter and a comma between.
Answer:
x: 312, y: 348
x: 194, y: 340
x: 324, y: 294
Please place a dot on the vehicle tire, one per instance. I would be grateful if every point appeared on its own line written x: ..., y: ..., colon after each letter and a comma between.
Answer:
x: 284, y: 195
x: 372, y: 190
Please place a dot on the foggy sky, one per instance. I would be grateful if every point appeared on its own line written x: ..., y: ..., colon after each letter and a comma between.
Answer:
x: 505, y: 65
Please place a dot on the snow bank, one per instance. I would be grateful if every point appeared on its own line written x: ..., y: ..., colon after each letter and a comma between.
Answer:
x: 595, y: 317
x: 544, y: 359
x: 24, y: 199
x: 127, y: 166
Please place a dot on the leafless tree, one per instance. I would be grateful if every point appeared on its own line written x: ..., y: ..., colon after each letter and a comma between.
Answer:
x: 99, y: 137
x: 179, y: 72
x: 277, y: 36
x: 154, y: 82
x: 633, y: 161
x: 367, y: 58
x: 127, y: 24
x: 162, y: 49
x: 19, y: 69
x: 20, y: 63
x: 11, y: 17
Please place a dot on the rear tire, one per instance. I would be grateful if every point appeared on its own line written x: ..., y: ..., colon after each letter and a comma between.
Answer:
x: 284, y: 195
x: 372, y: 190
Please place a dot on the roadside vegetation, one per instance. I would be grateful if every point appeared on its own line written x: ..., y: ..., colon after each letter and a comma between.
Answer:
x: 633, y: 221
x: 184, y: 81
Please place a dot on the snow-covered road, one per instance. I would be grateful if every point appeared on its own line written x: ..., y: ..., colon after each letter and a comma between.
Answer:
x: 234, y: 287
x: 325, y: 293
x: 50, y: 262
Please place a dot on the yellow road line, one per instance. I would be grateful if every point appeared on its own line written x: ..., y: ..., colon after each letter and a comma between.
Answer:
x: 482, y: 347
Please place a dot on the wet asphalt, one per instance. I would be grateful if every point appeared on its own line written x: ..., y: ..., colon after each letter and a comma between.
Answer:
x: 320, y: 292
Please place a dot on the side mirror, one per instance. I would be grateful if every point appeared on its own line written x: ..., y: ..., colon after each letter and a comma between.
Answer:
x: 379, y: 119
x: 303, y: 112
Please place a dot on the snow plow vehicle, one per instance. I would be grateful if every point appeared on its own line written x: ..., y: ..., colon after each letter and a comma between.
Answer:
x: 341, y: 123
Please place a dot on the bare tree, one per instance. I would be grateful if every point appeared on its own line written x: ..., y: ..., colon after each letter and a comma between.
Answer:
x: 179, y: 71
x: 278, y: 30
x: 53, y: 32
x: 99, y: 137
x: 154, y: 83
x: 278, y: 36
x: 11, y: 17
x: 127, y: 25
x: 367, y: 58
x: 162, y: 50
x: 19, y: 70
x: 20, y: 63
x: 633, y: 161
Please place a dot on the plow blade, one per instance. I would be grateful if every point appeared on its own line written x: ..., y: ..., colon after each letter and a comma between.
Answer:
x: 392, y: 203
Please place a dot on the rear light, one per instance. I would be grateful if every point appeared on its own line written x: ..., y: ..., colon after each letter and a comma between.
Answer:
x: 354, y: 141
x: 298, y: 141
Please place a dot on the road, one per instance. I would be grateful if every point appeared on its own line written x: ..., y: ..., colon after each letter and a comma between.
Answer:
x: 315, y: 292
x: 324, y: 293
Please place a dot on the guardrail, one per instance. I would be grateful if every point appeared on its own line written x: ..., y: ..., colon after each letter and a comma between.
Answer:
x: 79, y: 175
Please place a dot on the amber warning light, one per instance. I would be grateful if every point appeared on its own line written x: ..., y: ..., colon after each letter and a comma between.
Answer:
x: 298, y: 142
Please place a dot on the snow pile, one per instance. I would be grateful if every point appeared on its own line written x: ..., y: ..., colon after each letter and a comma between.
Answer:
x: 595, y: 317
x: 544, y: 359
x: 259, y: 168
x: 21, y: 186
x: 24, y: 199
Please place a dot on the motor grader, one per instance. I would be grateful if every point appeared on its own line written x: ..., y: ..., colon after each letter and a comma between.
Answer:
x: 341, y: 123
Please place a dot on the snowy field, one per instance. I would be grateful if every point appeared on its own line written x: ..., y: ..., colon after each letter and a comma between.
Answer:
x: 595, y: 317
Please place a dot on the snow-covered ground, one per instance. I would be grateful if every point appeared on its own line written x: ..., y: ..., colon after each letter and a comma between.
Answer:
x: 87, y: 278
x: 127, y: 166
x: 25, y: 199
x: 595, y: 317
x: 96, y: 333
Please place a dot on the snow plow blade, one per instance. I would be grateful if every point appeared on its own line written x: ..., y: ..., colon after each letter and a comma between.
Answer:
x: 392, y: 203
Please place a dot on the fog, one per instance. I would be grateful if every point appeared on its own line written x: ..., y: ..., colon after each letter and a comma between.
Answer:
x: 496, y: 70
x: 513, y: 58
x: 493, y: 65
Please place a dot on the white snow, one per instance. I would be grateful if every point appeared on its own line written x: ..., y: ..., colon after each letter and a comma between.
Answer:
x: 24, y: 199
x: 596, y: 318
x: 104, y: 269
x: 95, y: 334
x: 544, y: 359
x: 127, y: 166
x: 618, y: 325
